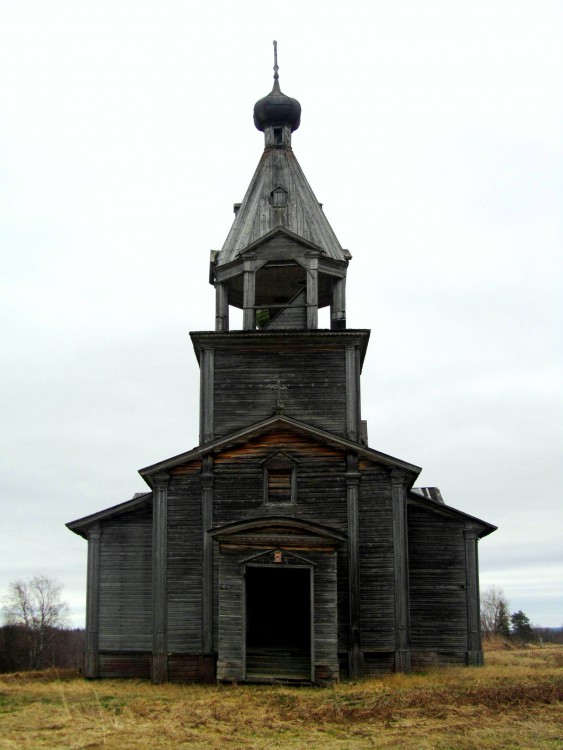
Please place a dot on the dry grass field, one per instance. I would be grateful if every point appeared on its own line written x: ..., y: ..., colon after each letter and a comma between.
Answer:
x: 515, y: 702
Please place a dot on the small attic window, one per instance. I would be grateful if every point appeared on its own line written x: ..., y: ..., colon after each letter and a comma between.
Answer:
x: 279, y: 485
x: 278, y: 197
x: 280, y: 480
x: 278, y: 137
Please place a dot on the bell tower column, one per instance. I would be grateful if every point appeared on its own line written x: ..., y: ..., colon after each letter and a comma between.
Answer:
x: 221, y: 307
x: 338, y: 305
x: 249, y: 292
x: 312, y: 260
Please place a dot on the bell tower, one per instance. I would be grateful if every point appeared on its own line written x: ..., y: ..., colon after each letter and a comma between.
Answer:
x: 281, y: 261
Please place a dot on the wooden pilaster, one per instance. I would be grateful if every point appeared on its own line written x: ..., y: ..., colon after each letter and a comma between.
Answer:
x: 92, y: 602
x: 207, y: 566
x: 206, y: 373
x: 221, y: 307
x: 352, y: 393
x: 400, y: 557
x: 312, y: 291
x: 355, y: 654
x: 159, y: 575
x: 474, y: 646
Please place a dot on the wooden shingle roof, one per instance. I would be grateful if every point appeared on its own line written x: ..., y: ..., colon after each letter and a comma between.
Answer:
x: 279, y: 174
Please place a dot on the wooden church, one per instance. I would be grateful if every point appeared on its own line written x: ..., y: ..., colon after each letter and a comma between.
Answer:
x: 283, y: 547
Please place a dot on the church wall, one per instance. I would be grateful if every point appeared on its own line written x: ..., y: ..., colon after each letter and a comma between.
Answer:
x: 238, y: 488
x: 184, y: 562
x: 313, y: 387
x: 125, y: 595
x: 377, y: 583
x: 438, y: 579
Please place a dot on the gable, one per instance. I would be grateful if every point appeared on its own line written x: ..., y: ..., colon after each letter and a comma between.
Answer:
x: 280, y: 243
x: 280, y: 432
x: 279, y: 445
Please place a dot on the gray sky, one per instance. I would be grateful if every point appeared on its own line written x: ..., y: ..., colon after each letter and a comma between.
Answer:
x: 432, y: 133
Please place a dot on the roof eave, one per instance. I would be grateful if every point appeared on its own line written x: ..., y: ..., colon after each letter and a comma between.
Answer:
x: 486, y: 527
x: 81, y: 525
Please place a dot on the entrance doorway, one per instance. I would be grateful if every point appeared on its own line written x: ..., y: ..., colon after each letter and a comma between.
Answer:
x: 278, y: 623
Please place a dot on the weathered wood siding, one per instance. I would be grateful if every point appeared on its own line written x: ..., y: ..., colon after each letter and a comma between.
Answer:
x: 378, y: 662
x: 184, y: 561
x: 238, y: 490
x: 313, y: 387
x: 125, y: 602
x: 321, y: 494
x: 326, y: 593
x: 320, y: 497
x: 377, y: 584
x: 125, y: 664
x: 438, y: 602
x: 191, y: 668
x: 230, y: 663
x: 230, y: 617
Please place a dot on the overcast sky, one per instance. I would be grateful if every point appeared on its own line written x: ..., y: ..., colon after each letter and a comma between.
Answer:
x: 432, y: 134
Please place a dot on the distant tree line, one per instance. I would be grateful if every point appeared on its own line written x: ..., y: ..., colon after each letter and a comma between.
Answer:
x: 497, y: 622
x: 35, y: 633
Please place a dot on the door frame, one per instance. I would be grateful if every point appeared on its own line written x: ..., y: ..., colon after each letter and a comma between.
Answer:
x: 287, y: 566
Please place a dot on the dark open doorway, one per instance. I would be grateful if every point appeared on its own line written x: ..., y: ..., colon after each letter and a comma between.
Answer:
x: 278, y: 623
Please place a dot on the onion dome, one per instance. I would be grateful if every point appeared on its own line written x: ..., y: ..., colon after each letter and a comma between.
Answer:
x: 276, y: 108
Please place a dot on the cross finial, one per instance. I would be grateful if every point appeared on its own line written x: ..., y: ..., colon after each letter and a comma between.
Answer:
x: 276, y: 67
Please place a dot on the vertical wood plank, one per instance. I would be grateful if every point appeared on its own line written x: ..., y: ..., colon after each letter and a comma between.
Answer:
x: 352, y: 393
x: 438, y: 582
x: 206, y: 407
x: 160, y: 524
x: 207, y: 568
x: 92, y: 602
x: 355, y: 660
x: 400, y: 555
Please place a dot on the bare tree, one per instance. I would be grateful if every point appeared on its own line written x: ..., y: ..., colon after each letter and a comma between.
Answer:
x: 494, y: 613
x: 36, y: 606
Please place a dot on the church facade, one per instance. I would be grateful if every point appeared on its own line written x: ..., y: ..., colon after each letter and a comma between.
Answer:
x: 282, y: 547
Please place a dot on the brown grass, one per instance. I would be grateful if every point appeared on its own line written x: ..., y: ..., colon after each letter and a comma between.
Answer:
x: 513, y: 702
